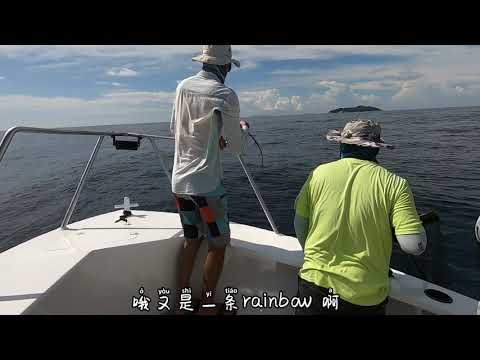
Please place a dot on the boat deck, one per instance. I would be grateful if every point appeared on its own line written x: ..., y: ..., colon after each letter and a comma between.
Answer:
x: 96, y: 266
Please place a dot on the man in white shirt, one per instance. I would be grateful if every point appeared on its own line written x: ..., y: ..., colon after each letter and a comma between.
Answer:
x: 204, y: 108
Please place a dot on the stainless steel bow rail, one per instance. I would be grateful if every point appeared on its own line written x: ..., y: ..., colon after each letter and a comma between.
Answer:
x: 119, y: 145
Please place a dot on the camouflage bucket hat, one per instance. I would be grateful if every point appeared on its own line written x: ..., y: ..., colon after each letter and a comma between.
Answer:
x: 359, y: 132
x: 217, y: 55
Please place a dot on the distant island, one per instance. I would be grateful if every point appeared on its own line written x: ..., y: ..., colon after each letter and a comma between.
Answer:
x: 360, y: 108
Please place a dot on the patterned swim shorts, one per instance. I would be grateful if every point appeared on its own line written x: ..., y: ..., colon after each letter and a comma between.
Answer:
x: 207, y: 215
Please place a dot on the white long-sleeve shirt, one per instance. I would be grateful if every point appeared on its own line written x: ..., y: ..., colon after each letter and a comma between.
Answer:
x: 203, y: 108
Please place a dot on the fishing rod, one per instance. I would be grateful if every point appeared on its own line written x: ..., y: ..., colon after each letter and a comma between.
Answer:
x: 246, y: 127
x: 477, y: 230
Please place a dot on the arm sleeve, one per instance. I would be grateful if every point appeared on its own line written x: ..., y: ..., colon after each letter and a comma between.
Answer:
x: 231, y: 124
x: 302, y: 202
x: 172, y: 121
x: 413, y: 244
x: 301, y: 228
x: 404, y: 217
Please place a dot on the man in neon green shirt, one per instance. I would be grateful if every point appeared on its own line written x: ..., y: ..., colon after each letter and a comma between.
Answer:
x: 344, y: 217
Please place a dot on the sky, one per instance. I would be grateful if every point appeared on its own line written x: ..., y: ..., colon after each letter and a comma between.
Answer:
x: 79, y: 85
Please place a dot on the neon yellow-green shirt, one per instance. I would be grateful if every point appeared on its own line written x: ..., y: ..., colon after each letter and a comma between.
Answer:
x: 352, y: 205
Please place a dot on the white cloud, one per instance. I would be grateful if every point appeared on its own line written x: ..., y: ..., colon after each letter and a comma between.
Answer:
x: 377, y: 85
x: 61, y: 65
x: 416, y: 60
x: 2, y: 77
x: 268, y: 101
x: 433, y: 94
x: 248, y: 52
x: 122, y: 72
x: 295, y: 52
x: 295, y: 72
x: 138, y: 97
x: 333, y: 94
x: 344, y: 73
x: 113, y: 107
x: 367, y: 99
x: 60, y: 53
x: 296, y: 103
x: 418, y: 76
x: 247, y: 65
x: 407, y: 90
x: 319, y: 103
x: 329, y: 94
x: 117, y: 98
x: 333, y: 88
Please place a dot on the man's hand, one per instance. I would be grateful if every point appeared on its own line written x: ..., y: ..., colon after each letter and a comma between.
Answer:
x: 244, y: 125
x: 222, y: 143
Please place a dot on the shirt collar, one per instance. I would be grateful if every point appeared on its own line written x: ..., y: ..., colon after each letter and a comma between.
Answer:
x: 209, y: 75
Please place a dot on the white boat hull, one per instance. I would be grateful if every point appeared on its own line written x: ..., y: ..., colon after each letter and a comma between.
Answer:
x: 97, y: 266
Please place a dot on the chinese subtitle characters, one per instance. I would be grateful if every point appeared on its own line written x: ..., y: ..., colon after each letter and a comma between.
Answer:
x: 186, y: 299
x: 163, y: 295
x: 142, y: 302
x: 330, y: 300
x: 209, y: 296
x: 229, y: 299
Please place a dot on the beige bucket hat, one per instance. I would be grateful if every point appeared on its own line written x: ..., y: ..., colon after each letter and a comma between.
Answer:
x: 217, y: 55
x: 359, y: 132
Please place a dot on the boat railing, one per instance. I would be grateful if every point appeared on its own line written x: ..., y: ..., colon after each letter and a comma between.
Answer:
x: 10, y: 133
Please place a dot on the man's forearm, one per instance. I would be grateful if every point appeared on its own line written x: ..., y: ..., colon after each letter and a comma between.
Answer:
x: 172, y: 122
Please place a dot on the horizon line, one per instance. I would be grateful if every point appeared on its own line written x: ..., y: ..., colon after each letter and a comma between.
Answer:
x: 263, y: 115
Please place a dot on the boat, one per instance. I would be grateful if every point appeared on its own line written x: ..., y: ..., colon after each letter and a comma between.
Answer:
x: 125, y: 261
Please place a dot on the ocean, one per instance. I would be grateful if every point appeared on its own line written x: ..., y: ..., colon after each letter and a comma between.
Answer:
x: 436, y: 151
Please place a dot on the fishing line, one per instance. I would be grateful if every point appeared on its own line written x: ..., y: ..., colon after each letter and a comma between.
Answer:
x: 258, y: 145
x: 417, y: 267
